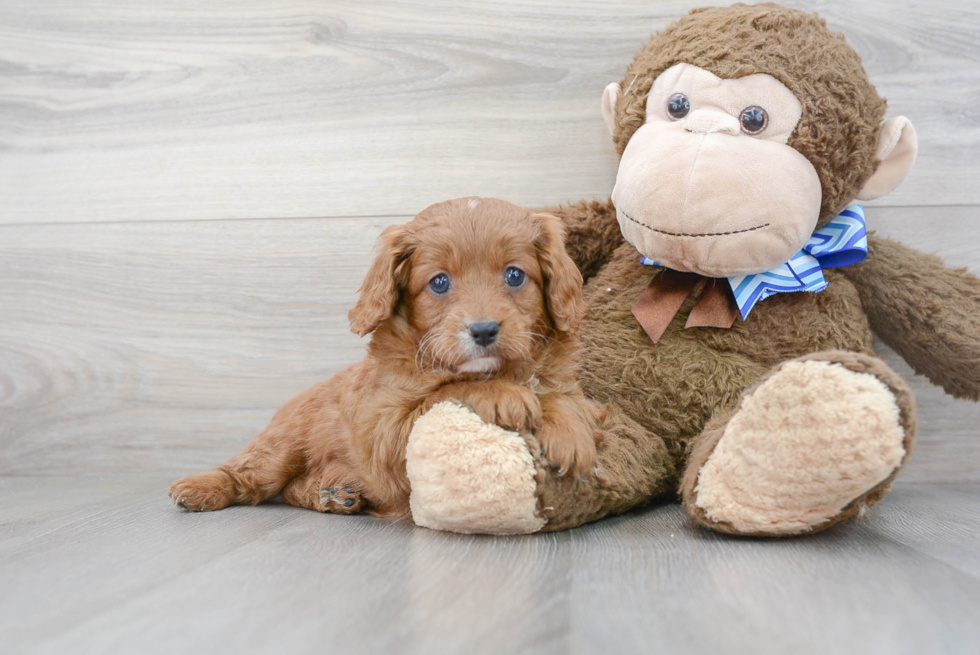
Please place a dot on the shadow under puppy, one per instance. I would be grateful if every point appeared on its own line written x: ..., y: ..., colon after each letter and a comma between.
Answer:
x: 474, y: 300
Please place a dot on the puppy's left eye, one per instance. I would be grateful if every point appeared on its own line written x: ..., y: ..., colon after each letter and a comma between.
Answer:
x: 439, y: 284
x: 514, y: 277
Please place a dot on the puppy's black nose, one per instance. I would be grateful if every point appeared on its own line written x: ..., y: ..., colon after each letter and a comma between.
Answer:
x: 484, y: 333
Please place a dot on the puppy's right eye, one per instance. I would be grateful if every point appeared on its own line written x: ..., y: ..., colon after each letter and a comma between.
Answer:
x: 439, y: 284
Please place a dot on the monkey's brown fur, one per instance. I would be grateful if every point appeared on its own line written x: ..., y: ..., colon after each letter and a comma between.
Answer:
x: 842, y: 112
x: 684, y: 389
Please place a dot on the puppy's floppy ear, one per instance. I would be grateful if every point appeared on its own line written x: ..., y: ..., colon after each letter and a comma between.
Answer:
x: 562, y: 279
x: 380, y: 290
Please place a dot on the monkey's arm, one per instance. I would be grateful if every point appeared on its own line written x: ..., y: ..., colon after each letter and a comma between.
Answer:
x: 927, y: 312
x: 591, y: 233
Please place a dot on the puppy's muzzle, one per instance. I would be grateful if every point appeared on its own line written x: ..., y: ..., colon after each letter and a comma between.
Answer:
x: 485, y: 333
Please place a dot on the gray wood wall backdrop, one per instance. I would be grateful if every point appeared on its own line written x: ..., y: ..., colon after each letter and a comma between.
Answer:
x: 189, y: 191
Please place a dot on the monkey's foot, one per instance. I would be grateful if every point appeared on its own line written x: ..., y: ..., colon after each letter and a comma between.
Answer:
x: 816, y: 442
x: 469, y: 476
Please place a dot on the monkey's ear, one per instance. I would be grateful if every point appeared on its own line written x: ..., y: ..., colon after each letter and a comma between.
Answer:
x: 609, y: 97
x: 380, y: 289
x: 897, y: 147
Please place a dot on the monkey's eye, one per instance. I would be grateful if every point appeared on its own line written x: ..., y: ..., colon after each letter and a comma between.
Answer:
x: 439, y: 284
x: 514, y: 277
x: 678, y: 106
x: 753, y: 119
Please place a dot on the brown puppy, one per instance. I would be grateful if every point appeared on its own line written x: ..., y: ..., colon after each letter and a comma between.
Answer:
x: 474, y: 300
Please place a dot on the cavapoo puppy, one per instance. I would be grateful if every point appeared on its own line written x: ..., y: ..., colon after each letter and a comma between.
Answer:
x: 475, y: 300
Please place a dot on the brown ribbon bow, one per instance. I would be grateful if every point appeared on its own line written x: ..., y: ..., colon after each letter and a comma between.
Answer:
x: 661, y: 301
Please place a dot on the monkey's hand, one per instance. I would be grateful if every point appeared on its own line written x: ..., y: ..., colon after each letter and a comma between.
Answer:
x: 925, y: 311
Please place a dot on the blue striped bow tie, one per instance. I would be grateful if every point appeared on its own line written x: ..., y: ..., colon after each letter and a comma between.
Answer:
x: 841, y: 242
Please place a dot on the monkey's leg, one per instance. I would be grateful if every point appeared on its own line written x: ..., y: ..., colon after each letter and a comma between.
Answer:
x: 814, y: 443
x: 632, y: 468
x: 468, y: 476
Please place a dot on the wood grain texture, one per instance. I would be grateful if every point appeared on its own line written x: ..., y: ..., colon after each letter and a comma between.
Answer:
x: 131, y: 341
x: 167, y: 110
x: 167, y: 346
x: 128, y: 573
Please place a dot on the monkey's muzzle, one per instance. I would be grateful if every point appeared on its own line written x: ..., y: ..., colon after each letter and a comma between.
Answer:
x: 705, y: 198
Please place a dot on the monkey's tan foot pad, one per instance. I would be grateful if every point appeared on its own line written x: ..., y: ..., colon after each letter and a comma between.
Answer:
x: 811, y: 446
x: 468, y: 476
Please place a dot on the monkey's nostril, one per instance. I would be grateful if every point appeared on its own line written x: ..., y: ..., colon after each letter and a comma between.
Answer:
x: 707, y: 121
x: 484, y: 333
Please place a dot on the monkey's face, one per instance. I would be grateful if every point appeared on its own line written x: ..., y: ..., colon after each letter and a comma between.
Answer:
x: 708, y: 184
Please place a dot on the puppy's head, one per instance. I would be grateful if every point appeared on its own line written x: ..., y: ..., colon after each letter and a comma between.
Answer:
x: 479, y: 282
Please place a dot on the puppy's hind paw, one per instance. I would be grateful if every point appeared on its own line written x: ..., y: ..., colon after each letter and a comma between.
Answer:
x: 341, y: 499
x: 204, y: 492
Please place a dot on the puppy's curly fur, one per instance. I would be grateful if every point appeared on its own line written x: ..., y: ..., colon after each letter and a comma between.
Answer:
x: 340, y: 446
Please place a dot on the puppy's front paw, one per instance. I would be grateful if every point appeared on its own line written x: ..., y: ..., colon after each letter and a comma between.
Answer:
x: 203, y: 492
x: 510, y: 406
x: 568, y: 445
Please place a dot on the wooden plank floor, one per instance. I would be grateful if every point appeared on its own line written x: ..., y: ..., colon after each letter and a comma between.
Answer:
x: 189, y: 193
x: 95, y: 566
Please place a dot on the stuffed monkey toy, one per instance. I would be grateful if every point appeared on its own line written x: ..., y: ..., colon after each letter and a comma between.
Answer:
x: 732, y: 293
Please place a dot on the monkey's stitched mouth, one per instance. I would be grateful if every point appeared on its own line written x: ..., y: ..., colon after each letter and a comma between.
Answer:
x: 706, y: 234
